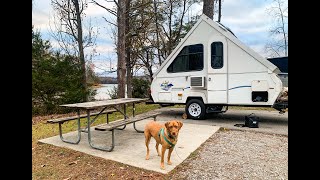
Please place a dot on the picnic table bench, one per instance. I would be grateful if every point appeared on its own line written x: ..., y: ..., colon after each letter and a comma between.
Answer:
x: 121, y: 122
x: 66, y: 119
x: 109, y: 126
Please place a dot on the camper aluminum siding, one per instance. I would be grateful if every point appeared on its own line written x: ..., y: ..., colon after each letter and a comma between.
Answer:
x: 243, y: 71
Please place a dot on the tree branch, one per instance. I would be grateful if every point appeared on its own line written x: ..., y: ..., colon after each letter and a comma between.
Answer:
x: 109, y: 22
x: 109, y: 10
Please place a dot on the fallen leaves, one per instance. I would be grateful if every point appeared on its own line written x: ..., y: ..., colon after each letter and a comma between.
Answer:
x: 73, y: 162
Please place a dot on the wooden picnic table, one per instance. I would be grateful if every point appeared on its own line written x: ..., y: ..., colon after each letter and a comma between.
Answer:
x: 111, y: 126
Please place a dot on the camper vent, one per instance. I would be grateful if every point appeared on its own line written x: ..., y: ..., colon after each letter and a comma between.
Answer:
x: 197, y: 81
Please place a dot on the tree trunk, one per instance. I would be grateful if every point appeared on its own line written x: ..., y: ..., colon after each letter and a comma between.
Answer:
x: 149, y: 62
x: 170, y: 29
x: 80, y: 46
x: 128, y: 46
x: 208, y: 7
x: 283, y: 30
x: 121, y: 49
x: 219, y: 17
x: 157, y: 31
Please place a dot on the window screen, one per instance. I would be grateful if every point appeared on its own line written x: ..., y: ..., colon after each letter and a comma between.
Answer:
x: 217, y: 55
x: 190, y: 58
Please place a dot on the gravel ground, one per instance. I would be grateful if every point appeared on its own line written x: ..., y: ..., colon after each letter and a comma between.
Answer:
x: 237, y: 155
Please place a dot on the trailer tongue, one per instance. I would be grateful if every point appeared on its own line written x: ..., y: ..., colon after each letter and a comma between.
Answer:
x: 281, y: 103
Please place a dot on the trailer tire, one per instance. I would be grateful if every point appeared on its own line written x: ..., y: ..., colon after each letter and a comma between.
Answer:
x: 195, y: 109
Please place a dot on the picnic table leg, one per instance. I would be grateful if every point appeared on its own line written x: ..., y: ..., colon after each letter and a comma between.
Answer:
x: 110, y: 148
x: 133, y: 109
x: 134, y: 123
x: 79, y: 132
x: 92, y: 121
x: 134, y: 126
x: 124, y: 114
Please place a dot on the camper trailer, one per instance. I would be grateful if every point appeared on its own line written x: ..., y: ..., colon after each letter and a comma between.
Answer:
x: 210, y: 69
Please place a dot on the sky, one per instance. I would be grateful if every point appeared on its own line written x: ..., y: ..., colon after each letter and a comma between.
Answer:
x: 248, y: 20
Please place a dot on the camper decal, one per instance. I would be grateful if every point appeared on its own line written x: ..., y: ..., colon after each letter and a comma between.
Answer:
x: 188, y: 87
x: 166, y: 85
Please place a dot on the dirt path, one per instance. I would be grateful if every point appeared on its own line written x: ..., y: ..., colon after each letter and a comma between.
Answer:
x: 237, y: 155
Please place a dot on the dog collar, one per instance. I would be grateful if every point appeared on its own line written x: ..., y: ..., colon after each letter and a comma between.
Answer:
x: 161, y: 132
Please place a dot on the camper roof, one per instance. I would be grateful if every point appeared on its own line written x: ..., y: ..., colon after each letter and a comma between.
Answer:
x: 229, y: 35
x: 226, y: 28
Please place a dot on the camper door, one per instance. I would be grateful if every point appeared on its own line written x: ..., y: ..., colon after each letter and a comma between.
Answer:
x: 217, y: 80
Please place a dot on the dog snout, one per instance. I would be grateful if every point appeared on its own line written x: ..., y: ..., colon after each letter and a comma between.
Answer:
x: 174, y: 133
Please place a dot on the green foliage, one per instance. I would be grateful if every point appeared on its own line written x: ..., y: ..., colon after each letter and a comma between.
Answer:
x: 92, y: 78
x: 113, y: 93
x: 140, y: 88
x: 56, y: 79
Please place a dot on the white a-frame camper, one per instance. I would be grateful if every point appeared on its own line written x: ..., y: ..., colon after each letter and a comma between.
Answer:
x: 211, y: 69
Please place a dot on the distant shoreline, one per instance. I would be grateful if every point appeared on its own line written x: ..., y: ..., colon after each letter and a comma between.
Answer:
x: 100, y: 85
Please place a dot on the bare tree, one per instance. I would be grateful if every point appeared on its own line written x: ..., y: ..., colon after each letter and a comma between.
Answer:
x: 208, y: 8
x: 279, y: 32
x: 69, y: 31
x: 121, y: 48
x: 155, y: 26
x: 157, y: 30
x: 174, y: 12
x: 121, y: 6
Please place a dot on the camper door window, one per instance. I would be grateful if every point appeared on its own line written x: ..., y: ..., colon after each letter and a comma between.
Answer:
x: 217, y: 55
x: 190, y: 58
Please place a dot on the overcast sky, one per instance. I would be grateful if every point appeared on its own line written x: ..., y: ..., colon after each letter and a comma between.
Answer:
x: 248, y: 19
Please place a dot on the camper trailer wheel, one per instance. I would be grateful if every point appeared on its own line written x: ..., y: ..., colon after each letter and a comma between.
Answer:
x: 195, y: 109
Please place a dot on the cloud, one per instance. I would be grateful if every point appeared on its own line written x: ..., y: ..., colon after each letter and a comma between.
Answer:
x: 249, y: 21
x: 41, y: 11
x: 96, y: 11
x: 105, y: 49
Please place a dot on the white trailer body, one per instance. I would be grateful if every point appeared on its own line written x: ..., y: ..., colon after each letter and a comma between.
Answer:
x: 211, y: 65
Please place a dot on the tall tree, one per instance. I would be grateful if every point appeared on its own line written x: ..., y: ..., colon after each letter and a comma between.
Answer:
x: 128, y: 47
x: 279, y: 32
x: 69, y: 31
x: 156, y: 27
x: 121, y: 48
x: 159, y: 25
x: 219, y: 15
x: 171, y: 23
x: 208, y: 8
x: 121, y: 10
x: 157, y: 30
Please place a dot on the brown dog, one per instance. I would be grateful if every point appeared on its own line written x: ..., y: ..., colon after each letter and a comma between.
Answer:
x: 166, y: 135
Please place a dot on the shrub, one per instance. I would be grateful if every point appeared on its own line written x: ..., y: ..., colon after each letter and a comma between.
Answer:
x: 56, y: 79
x: 140, y: 88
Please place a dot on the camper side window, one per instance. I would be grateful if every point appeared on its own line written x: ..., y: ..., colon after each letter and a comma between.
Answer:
x: 190, y: 58
x: 217, y: 55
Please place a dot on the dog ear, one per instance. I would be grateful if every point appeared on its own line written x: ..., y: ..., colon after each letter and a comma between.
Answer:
x: 167, y: 124
x: 180, y: 124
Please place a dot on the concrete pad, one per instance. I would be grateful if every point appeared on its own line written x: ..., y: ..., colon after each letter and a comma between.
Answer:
x: 130, y: 145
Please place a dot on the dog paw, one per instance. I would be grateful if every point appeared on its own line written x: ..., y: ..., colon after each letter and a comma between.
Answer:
x: 162, y: 167
x: 147, y: 158
x: 169, y: 162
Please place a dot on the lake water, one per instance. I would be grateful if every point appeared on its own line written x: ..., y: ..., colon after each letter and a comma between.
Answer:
x: 102, y: 91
